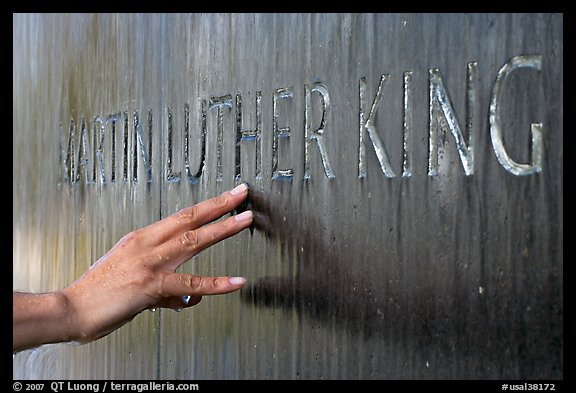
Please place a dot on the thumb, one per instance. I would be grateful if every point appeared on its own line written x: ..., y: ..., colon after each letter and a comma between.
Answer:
x: 178, y: 284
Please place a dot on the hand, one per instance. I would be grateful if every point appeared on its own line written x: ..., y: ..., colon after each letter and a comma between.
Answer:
x: 138, y: 273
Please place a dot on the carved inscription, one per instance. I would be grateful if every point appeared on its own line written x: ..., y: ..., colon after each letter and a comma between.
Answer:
x: 112, y: 148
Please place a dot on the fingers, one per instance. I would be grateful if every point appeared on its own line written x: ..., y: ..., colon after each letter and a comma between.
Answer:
x: 195, y: 216
x: 186, y: 290
x: 190, y: 243
x: 178, y: 284
x: 177, y: 238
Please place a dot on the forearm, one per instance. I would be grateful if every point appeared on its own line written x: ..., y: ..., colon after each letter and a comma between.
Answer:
x: 138, y: 273
x: 41, y: 319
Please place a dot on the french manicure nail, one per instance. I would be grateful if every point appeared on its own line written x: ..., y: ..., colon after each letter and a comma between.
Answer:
x: 240, y: 189
x: 237, y: 280
x: 244, y: 216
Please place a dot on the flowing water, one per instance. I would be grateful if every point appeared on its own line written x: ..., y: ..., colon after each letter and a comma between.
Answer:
x: 377, y: 253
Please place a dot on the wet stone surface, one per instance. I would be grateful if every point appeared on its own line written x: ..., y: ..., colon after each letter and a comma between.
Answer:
x: 405, y: 172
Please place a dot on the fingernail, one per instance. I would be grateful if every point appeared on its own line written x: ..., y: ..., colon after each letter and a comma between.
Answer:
x: 244, y: 216
x: 237, y: 280
x: 239, y: 189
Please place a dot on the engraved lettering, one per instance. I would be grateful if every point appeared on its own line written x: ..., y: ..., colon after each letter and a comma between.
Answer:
x: 535, y: 166
x: 441, y: 106
x: 146, y: 153
x: 279, y: 132
x: 112, y: 120
x: 407, y: 125
x: 318, y: 134
x: 220, y: 103
x: 83, y: 153
x: 67, y: 153
x: 125, y: 149
x: 98, y: 155
x: 194, y: 178
x: 368, y: 124
x: 170, y: 175
x: 110, y: 148
x: 249, y: 135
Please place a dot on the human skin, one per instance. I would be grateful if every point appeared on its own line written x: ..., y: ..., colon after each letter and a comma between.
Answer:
x: 138, y: 273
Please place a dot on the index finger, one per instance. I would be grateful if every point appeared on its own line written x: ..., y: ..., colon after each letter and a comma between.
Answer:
x: 195, y: 216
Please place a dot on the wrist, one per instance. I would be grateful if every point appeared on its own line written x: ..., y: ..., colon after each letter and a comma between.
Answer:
x: 44, y: 318
x: 66, y: 316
